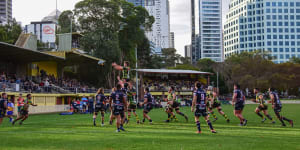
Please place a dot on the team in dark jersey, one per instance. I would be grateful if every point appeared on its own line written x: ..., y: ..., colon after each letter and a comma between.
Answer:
x: 148, y: 105
x: 117, y: 103
x: 100, y: 105
x: 3, y: 106
x: 200, y: 101
x: 238, y: 101
x: 262, y: 106
x: 277, y: 106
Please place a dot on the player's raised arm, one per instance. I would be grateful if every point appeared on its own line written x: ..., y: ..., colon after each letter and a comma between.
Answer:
x: 116, y: 66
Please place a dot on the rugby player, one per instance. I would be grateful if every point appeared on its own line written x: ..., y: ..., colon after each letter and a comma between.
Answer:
x: 262, y: 106
x: 200, y: 101
x: 3, y: 106
x: 100, y: 105
x: 24, y: 110
x: 118, y: 102
x: 172, y: 101
x: 238, y: 101
x: 277, y: 106
x: 131, y: 103
x: 125, y: 72
x: 213, y: 103
x: 148, y: 105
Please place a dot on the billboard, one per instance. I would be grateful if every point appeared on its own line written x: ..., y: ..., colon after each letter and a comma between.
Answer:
x: 48, y: 33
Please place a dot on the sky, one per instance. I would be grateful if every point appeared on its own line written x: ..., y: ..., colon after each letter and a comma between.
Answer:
x: 27, y: 11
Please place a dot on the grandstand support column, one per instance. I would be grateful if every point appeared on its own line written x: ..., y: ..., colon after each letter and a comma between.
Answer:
x: 141, y: 86
x: 208, y: 80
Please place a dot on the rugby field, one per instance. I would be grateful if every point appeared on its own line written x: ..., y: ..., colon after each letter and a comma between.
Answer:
x: 75, y: 132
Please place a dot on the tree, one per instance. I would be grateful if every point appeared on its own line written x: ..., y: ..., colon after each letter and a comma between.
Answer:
x: 64, y: 22
x: 98, y: 21
x: 170, y: 57
x: 295, y: 60
x: 9, y: 33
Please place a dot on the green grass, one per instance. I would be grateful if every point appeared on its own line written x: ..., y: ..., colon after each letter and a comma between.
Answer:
x: 55, y: 132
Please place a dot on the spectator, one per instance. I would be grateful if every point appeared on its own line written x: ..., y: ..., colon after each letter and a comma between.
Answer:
x: 84, y: 103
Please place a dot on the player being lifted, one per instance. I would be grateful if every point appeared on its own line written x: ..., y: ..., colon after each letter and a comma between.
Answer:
x: 213, y: 103
x: 262, y: 106
x: 277, y: 106
x: 238, y: 101
x: 148, y: 105
x: 24, y: 109
x: 125, y: 72
x: 200, y: 101
x: 173, y: 104
x: 100, y: 105
x: 118, y: 102
x: 131, y: 102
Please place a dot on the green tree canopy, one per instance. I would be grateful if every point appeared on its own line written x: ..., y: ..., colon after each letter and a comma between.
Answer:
x: 9, y: 33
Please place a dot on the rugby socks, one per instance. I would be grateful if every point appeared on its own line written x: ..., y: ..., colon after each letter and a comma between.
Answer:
x: 210, y: 125
x: 286, y: 119
x: 169, y: 116
x: 129, y: 116
x: 269, y: 117
x: 144, y: 120
x: 198, y: 126
x: 214, y: 115
x: 182, y: 114
x: 174, y: 117
x: 137, y: 118
x: 260, y: 115
x: 150, y: 120
x: 225, y: 116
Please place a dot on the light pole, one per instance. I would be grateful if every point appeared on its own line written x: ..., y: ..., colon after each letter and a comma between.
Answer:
x: 136, y: 76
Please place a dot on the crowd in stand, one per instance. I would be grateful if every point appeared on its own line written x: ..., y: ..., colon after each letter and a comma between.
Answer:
x: 164, y: 85
x: 42, y: 83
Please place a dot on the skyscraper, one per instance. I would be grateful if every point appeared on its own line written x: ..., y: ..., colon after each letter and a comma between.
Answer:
x: 194, y: 55
x: 172, y: 40
x: 6, y: 10
x: 210, y: 31
x: 266, y: 25
x: 159, y: 9
x: 137, y: 2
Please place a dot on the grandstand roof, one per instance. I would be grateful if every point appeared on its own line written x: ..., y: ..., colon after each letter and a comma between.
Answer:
x: 12, y: 53
x: 172, y: 71
x: 76, y: 56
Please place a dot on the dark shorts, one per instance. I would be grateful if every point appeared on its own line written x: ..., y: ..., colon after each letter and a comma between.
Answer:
x: 83, y: 106
x: 118, y: 110
x: 239, y: 106
x: 147, y: 108
x: 277, y: 109
x: 200, y: 112
x: 132, y: 107
x: 175, y: 104
x: 24, y: 112
x: 215, y: 105
x: 9, y: 113
x: 264, y: 107
x: 99, y: 107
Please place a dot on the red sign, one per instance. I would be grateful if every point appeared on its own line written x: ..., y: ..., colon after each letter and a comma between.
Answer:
x: 48, y: 30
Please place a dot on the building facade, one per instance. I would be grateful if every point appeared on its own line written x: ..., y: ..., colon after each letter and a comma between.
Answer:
x: 210, y: 31
x: 6, y: 11
x: 137, y: 2
x: 187, y: 51
x: 193, y: 33
x: 172, y: 40
x: 160, y: 33
x: 266, y: 25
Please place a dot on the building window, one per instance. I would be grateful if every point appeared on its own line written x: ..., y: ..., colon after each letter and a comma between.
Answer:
x: 268, y: 4
x: 286, y: 4
x: 287, y: 50
x: 275, y: 50
x: 274, y: 10
x: 268, y: 10
x: 292, y: 4
x: 273, y: 3
x: 281, y: 50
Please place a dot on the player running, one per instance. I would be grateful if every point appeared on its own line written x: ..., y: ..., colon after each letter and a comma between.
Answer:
x: 238, y: 101
x: 118, y: 102
x: 173, y: 104
x: 3, y: 106
x: 200, y: 101
x: 148, y: 105
x: 100, y: 106
x: 262, y: 106
x: 24, y: 110
x: 213, y: 103
x: 131, y: 103
x: 277, y: 106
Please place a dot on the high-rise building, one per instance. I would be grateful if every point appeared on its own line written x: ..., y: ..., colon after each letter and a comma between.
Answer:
x: 137, y: 2
x: 210, y: 31
x: 266, y: 25
x: 159, y: 35
x: 194, y: 55
x: 6, y: 10
x: 172, y: 40
x: 187, y: 51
